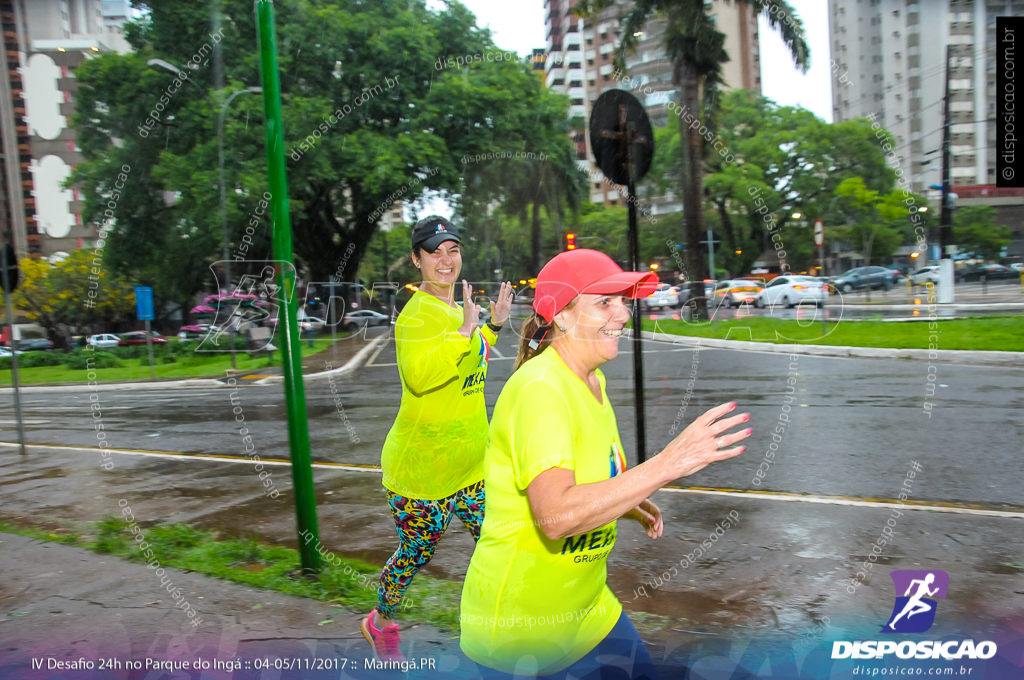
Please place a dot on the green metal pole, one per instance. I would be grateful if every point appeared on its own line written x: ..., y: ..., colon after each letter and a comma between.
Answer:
x: 291, y: 357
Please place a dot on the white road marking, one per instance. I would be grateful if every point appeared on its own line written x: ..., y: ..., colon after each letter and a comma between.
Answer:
x: 380, y: 349
x: 833, y: 500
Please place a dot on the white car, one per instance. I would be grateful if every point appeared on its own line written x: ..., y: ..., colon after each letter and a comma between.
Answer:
x: 103, y: 341
x: 664, y: 296
x: 1017, y: 267
x: 365, y: 317
x: 4, y: 352
x: 788, y: 291
x: 737, y: 292
x: 929, y: 274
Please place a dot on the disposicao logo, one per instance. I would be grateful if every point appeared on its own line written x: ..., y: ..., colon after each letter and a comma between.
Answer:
x: 914, y: 612
x: 915, y: 584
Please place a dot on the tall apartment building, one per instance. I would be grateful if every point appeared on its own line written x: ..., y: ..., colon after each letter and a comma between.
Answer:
x: 893, y: 56
x: 45, y: 41
x: 580, y: 55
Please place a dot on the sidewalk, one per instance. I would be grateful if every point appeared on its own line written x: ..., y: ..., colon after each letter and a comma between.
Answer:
x: 64, y: 603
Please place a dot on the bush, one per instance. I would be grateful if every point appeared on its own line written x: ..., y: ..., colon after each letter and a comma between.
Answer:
x: 133, y: 352
x: 79, y: 360
x: 32, y: 359
x: 168, y: 360
x: 5, y: 363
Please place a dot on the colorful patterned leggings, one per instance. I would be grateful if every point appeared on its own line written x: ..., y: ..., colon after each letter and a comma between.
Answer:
x: 421, y: 524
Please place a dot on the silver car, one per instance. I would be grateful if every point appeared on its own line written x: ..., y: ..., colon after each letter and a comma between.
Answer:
x: 103, y: 341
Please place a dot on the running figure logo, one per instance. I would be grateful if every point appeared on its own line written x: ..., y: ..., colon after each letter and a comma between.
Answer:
x: 914, y: 612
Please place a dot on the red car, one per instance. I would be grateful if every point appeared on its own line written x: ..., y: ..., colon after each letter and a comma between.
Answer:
x: 139, y: 338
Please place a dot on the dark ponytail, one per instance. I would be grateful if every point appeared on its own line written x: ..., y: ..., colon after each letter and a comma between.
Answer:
x: 530, y: 327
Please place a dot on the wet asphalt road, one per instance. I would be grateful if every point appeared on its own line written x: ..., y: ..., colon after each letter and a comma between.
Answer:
x: 856, y: 426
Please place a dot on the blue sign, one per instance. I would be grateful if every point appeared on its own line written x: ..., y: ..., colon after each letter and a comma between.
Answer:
x: 144, y: 303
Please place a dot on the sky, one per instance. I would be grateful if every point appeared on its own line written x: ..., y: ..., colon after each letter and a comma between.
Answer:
x: 519, y: 28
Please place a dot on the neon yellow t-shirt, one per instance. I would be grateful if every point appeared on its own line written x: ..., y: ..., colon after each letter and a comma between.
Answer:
x: 532, y: 605
x: 437, y: 443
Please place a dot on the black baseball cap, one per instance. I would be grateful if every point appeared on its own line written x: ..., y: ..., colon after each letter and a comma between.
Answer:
x: 430, y: 232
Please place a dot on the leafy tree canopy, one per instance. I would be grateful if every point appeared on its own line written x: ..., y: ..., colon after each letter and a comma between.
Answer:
x: 72, y: 292
x: 368, y: 118
x: 975, y: 231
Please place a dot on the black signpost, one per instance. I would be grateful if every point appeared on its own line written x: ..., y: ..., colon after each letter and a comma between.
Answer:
x: 9, y: 276
x: 623, y: 144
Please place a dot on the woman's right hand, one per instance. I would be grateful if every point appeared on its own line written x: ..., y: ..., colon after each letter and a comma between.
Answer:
x: 470, y: 311
x: 703, y: 443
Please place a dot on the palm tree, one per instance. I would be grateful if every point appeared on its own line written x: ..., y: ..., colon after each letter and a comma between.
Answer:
x: 696, y: 49
x: 550, y: 183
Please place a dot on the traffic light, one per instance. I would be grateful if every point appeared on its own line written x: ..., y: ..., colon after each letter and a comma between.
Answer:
x: 570, y: 241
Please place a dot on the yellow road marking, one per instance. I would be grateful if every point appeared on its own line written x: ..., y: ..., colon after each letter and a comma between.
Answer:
x: 933, y: 506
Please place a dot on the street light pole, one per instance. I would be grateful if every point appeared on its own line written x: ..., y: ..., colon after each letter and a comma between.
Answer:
x: 224, y: 205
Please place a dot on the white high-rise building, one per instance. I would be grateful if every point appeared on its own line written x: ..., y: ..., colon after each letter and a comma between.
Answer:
x: 579, y: 63
x: 889, y: 60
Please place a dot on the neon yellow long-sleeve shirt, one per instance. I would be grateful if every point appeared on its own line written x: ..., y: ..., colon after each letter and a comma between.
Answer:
x: 437, y: 443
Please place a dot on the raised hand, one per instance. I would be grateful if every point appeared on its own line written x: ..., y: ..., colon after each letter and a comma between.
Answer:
x: 470, y: 311
x: 503, y: 307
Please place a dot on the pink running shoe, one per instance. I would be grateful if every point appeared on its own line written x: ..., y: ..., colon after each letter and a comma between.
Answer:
x: 385, y: 642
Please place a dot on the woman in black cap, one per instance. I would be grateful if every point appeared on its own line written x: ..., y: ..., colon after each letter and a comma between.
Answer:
x: 433, y: 456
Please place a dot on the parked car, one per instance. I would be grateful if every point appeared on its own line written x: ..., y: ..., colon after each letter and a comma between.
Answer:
x: 1017, y: 267
x: 789, y: 291
x: 664, y: 296
x: 194, y: 332
x: 989, y: 271
x: 864, y: 277
x: 311, y: 323
x: 364, y: 317
x: 929, y: 274
x: 684, y: 291
x: 103, y: 341
x: 33, y: 345
x: 4, y: 352
x: 139, y: 338
x: 736, y: 292
x: 903, y: 270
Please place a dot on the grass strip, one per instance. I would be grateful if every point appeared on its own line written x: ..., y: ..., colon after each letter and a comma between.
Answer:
x: 195, y: 365
x: 989, y: 333
x: 345, y: 581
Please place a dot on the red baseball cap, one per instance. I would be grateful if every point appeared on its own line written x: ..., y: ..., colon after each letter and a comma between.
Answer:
x: 580, y: 271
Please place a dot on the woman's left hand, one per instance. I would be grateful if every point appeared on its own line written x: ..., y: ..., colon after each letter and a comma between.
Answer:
x: 503, y: 307
x: 649, y: 516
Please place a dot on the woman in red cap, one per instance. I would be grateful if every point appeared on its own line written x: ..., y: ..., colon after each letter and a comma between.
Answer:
x: 535, y: 601
x: 433, y: 456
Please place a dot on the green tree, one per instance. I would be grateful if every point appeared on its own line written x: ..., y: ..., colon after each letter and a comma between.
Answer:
x: 976, y: 231
x: 696, y: 49
x: 368, y: 118
x: 877, y: 222
x: 72, y: 292
x: 786, y: 156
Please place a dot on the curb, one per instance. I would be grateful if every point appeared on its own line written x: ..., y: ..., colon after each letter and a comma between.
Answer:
x: 942, y: 355
x: 966, y: 307
x: 351, y: 365
x: 193, y: 383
